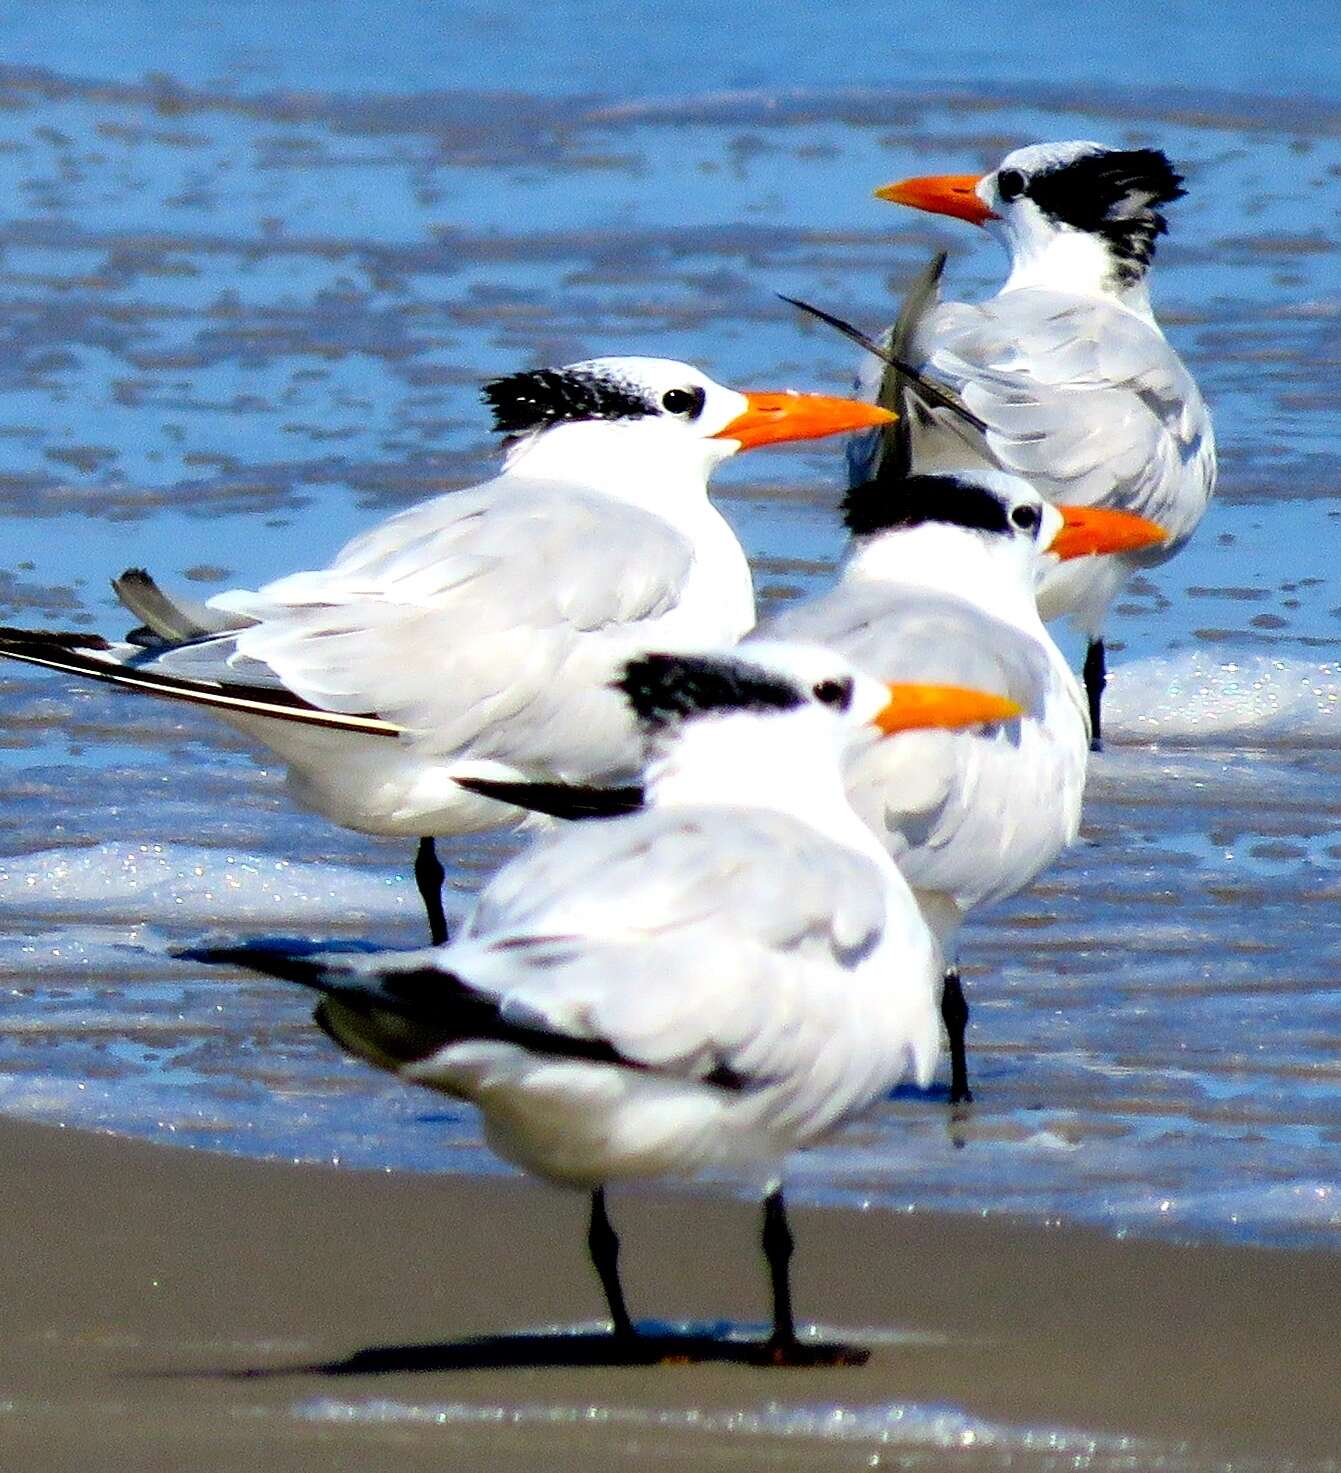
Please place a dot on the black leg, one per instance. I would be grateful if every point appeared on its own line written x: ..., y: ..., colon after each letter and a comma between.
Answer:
x: 955, y: 1015
x: 429, y: 875
x: 778, y: 1245
x: 1096, y: 677
x: 603, y: 1245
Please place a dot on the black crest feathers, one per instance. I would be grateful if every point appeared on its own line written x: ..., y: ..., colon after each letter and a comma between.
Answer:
x: 666, y: 688
x: 883, y: 506
x: 1116, y: 194
x: 545, y: 396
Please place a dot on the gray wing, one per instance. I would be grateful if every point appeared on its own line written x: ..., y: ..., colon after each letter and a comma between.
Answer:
x: 1084, y: 399
x: 912, y: 634
x: 688, y: 939
x: 973, y: 814
x: 734, y: 948
x: 486, y: 622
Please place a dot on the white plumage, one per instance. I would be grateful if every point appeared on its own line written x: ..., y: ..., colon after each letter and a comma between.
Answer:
x: 712, y: 982
x: 939, y: 588
x: 476, y: 635
x: 1081, y: 392
x: 745, y: 922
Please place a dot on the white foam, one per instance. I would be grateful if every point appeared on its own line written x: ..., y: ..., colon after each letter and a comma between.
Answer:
x: 897, y: 1424
x: 172, y: 883
x: 1289, y: 1204
x: 1256, y: 700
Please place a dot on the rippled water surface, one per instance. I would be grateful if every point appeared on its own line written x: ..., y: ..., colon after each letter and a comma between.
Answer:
x: 251, y: 275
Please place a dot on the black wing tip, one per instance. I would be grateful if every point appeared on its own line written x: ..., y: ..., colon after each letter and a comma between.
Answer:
x: 798, y: 303
x: 571, y: 801
x: 306, y: 963
x: 930, y: 390
x: 65, y: 641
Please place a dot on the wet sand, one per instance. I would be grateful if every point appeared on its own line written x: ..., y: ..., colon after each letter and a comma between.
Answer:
x: 139, y: 1279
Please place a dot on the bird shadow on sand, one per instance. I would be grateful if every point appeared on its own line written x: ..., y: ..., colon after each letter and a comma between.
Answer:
x: 656, y: 1345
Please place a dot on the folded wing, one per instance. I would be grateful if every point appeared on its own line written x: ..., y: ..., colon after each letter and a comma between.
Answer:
x: 485, y: 623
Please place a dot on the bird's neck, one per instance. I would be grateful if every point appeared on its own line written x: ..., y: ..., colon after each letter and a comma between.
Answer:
x: 1078, y: 264
x: 646, y: 463
x: 728, y: 761
x: 997, y: 577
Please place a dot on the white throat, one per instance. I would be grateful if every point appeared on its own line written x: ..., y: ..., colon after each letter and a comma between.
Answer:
x: 1062, y: 259
x: 996, y: 574
x: 792, y: 767
x: 653, y: 463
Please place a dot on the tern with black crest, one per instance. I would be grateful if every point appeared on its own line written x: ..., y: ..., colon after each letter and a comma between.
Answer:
x: 1079, y: 390
x: 477, y: 634
x: 940, y: 586
x: 708, y: 984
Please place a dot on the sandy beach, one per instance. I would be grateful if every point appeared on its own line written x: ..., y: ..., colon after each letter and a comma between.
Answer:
x: 139, y: 1280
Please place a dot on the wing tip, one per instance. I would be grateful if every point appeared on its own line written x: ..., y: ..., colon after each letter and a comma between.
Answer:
x: 289, y: 961
x: 63, y: 641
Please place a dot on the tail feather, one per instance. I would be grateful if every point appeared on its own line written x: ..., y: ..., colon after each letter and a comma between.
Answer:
x: 898, y: 391
x: 92, y: 657
x: 399, y: 1014
x: 164, y: 620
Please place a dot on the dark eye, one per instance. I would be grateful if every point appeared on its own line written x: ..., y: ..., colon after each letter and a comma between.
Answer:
x: 688, y: 402
x: 836, y: 693
x: 1027, y: 518
x: 1011, y: 184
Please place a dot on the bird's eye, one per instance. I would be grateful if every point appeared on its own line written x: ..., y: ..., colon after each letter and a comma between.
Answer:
x: 688, y: 402
x: 1011, y: 184
x: 1027, y: 518
x: 836, y: 693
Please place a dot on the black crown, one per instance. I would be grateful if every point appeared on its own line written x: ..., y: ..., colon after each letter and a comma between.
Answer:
x: 545, y: 396
x: 666, y: 688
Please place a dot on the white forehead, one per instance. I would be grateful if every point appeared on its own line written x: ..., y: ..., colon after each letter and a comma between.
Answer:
x: 1038, y: 156
x: 1013, y: 490
x: 657, y: 374
x: 796, y: 660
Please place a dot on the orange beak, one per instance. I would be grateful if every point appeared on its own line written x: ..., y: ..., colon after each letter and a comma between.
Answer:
x: 1087, y: 530
x: 941, y: 194
x: 912, y: 707
x: 773, y: 419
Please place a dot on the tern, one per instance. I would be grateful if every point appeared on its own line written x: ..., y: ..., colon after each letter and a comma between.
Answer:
x: 712, y: 982
x: 1079, y: 390
x: 477, y: 634
x: 940, y: 586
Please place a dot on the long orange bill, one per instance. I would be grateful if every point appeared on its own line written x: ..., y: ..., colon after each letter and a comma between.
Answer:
x: 1087, y: 530
x: 773, y: 419
x: 915, y: 706
x: 941, y: 194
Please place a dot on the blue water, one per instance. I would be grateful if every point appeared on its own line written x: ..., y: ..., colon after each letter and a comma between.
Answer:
x: 254, y: 262
x: 607, y: 48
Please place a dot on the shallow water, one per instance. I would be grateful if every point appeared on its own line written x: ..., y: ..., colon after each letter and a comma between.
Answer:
x: 252, y: 276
